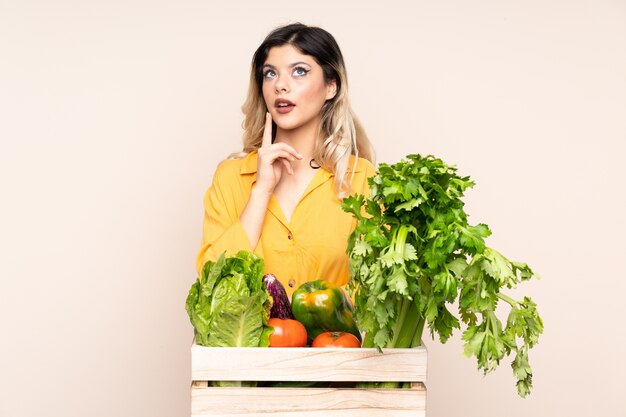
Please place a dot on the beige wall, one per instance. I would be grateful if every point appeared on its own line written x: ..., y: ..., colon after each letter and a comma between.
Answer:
x: 114, y: 114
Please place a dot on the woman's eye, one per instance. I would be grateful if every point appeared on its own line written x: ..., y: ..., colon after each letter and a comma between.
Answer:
x: 300, y: 72
x: 269, y: 74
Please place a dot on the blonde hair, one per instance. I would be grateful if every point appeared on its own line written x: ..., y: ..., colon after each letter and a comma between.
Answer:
x: 340, y: 133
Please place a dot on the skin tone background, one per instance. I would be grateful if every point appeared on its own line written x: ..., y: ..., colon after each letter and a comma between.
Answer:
x: 113, y: 116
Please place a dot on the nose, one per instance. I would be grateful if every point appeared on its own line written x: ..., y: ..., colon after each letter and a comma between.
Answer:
x: 281, y: 85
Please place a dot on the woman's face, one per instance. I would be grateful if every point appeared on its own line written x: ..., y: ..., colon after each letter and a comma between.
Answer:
x: 294, y: 88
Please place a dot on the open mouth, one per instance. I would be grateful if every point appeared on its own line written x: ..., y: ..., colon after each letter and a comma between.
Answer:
x: 283, y: 106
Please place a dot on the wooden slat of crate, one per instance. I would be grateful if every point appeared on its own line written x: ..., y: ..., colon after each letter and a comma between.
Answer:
x: 308, y: 402
x: 307, y: 364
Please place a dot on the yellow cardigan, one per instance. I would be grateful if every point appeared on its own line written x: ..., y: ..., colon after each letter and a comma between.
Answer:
x: 310, y: 246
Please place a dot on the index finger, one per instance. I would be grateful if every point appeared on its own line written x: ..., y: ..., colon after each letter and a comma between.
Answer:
x: 267, y: 131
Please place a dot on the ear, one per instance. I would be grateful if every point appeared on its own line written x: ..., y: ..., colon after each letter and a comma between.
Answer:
x: 331, y: 89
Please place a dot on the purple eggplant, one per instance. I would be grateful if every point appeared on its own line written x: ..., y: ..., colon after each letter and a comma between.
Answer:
x: 281, y: 307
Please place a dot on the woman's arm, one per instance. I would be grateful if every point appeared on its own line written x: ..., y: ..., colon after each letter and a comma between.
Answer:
x: 221, y: 229
x: 225, y: 231
x: 273, y: 159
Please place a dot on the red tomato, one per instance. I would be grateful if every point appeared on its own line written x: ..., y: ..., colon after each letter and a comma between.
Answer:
x: 287, y: 333
x: 336, y: 339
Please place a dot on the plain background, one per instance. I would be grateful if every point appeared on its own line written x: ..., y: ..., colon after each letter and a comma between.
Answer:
x: 114, y: 114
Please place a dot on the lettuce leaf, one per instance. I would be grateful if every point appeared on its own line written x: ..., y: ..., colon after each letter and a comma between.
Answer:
x: 228, y: 305
x: 238, y: 323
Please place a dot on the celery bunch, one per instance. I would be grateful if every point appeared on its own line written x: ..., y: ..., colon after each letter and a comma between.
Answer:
x: 413, y: 253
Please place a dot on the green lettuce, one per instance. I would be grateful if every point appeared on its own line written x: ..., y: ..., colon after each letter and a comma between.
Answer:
x: 228, y: 305
x: 239, y: 323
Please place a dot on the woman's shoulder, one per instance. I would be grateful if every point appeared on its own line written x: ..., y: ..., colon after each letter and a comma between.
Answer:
x: 237, y: 165
x: 363, y: 166
x: 363, y: 170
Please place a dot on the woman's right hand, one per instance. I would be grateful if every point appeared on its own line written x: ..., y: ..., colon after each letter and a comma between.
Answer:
x: 273, y: 160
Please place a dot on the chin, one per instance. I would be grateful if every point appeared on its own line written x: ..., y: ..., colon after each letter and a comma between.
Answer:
x: 293, y: 123
x: 286, y: 125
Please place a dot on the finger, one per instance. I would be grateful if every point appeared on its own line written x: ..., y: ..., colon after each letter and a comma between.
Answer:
x: 287, y: 148
x: 267, y: 131
x: 270, y: 155
x: 287, y: 165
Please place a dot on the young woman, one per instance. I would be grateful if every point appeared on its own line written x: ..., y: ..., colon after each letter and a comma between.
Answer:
x: 303, y: 151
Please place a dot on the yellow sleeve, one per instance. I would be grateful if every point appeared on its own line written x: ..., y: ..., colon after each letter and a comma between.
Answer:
x: 221, y: 229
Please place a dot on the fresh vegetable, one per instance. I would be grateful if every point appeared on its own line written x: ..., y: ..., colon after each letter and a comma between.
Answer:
x: 336, y: 339
x: 287, y: 333
x: 413, y: 253
x: 228, y: 305
x: 322, y: 306
x: 281, y: 307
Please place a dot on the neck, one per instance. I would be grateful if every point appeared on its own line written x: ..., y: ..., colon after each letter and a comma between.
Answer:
x: 303, y: 140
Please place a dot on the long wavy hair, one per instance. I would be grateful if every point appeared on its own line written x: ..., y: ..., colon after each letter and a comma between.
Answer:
x: 340, y: 133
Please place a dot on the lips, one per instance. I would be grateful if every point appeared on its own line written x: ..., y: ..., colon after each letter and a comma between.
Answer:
x: 283, y: 106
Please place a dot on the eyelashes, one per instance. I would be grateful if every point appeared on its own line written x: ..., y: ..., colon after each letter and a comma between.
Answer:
x: 300, y: 71
x: 297, y: 72
x: 267, y: 74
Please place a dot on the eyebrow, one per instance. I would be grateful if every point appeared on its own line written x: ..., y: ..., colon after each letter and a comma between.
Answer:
x: 290, y: 65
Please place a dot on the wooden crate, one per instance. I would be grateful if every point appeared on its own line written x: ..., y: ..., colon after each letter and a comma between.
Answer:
x: 307, y: 364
